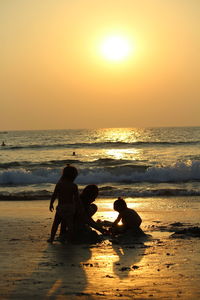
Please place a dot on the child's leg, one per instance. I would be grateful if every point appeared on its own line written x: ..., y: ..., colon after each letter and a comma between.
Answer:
x: 54, y: 228
x: 63, y: 226
x: 70, y: 226
x: 117, y: 229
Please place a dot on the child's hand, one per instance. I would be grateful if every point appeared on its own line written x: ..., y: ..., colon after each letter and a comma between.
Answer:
x: 51, y: 207
x: 105, y: 232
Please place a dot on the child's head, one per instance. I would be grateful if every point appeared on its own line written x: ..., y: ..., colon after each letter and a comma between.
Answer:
x: 120, y: 204
x: 69, y: 173
x: 90, y: 193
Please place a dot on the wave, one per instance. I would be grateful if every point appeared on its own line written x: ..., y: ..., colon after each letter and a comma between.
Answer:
x: 63, y: 162
x: 29, y: 164
x: 180, y: 172
x: 100, y: 145
x: 107, y: 191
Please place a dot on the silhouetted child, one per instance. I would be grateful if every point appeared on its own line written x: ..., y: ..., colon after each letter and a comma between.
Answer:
x: 131, y: 221
x: 83, y: 218
x: 68, y: 199
x: 87, y: 197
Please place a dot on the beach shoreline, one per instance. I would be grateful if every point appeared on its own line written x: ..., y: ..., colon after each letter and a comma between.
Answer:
x: 159, y: 267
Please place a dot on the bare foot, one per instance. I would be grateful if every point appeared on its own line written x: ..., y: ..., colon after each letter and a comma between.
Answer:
x: 50, y: 241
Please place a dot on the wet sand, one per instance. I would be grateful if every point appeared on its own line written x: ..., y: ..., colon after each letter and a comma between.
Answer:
x: 157, y: 267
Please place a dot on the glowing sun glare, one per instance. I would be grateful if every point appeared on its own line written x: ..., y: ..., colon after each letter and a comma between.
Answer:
x: 115, y: 48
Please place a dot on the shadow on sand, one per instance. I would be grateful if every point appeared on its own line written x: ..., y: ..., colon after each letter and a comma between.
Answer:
x: 60, y: 272
x: 130, y: 252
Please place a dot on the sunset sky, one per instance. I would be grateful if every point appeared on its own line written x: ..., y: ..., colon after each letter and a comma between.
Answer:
x: 108, y: 63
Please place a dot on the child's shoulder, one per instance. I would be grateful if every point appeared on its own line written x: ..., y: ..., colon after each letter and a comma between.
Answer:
x: 130, y: 211
x: 68, y: 183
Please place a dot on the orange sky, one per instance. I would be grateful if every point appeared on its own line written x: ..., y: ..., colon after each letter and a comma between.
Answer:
x: 54, y: 76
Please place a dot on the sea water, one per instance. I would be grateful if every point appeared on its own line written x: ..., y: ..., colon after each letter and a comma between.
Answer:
x: 126, y: 162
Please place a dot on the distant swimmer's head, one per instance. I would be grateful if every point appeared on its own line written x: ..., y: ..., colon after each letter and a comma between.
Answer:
x: 69, y: 173
x: 120, y: 204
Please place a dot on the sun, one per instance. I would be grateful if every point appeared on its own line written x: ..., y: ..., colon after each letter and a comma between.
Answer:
x: 115, y: 48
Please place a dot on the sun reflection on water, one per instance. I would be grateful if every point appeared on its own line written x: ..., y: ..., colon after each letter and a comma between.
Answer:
x: 123, y: 153
x: 123, y: 135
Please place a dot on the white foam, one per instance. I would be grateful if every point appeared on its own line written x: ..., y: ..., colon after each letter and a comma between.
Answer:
x: 180, y: 172
x: 22, y: 176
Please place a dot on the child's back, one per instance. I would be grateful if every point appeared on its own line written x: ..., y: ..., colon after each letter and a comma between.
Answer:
x: 130, y: 218
x: 65, y: 191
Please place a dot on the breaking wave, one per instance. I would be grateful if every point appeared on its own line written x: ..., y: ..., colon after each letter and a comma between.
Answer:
x: 124, y: 173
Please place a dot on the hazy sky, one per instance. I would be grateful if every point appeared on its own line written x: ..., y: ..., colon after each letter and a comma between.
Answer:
x: 53, y: 74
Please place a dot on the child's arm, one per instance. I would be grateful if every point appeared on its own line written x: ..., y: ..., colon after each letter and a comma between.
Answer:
x: 53, y: 198
x: 95, y: 225
x: 117, y: 220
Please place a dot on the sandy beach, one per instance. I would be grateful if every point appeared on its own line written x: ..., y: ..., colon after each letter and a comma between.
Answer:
x: 158, y: 267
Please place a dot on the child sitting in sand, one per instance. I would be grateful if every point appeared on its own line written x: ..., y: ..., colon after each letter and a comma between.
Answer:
x: 87, y: 197
x: 68, y: 199
x: 131, y: 221
x: 83, y: 221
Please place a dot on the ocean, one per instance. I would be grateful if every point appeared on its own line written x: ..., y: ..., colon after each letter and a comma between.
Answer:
x: 126, y: 162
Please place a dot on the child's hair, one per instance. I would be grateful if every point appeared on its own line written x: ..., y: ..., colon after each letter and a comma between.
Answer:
x: 120, y: 204
x: 70, y: 173
x: 89, y: 193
